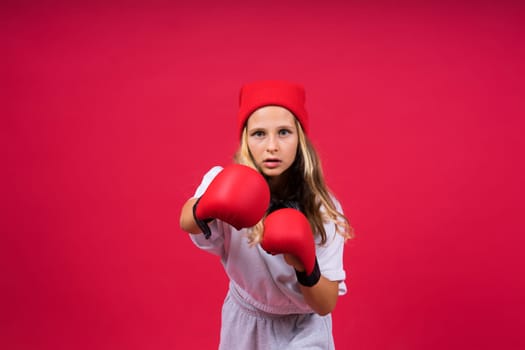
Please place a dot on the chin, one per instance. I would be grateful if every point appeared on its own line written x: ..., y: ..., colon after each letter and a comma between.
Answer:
x: 272, y: 172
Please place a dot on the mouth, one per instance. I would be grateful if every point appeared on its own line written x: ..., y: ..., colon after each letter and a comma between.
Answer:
x: 272, y: 162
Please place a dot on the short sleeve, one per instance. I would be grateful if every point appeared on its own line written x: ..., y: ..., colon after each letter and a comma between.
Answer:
x: 330, y: 255
x: 215, y: 244
x: 206, y: 180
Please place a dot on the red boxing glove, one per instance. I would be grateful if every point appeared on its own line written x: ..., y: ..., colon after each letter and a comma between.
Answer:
x: 238, y: 195
x: 287, y: 231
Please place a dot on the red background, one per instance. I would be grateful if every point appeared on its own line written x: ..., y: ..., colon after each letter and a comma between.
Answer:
x: 111, y: 114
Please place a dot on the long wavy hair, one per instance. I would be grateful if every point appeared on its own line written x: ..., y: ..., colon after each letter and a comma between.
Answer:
x: 305, y: 185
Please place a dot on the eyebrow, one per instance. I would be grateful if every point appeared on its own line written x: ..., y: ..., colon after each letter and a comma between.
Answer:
x: 287, y: 126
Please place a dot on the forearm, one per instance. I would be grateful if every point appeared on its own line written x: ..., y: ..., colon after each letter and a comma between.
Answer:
x: 187, y: 221
x: 322, y: 297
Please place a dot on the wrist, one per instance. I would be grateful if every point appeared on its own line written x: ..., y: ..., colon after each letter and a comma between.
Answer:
x: 201, y: 223
x: 309, y: 280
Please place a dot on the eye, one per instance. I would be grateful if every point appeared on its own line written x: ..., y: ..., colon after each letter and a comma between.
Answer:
x: 258, y: 133
x: 284, y: 132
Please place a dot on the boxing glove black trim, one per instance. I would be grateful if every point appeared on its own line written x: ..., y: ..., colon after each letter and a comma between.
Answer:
x: 311, y: 279
x: 202, y: 223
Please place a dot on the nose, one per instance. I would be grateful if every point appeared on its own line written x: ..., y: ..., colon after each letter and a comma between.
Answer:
x: 272, y: 145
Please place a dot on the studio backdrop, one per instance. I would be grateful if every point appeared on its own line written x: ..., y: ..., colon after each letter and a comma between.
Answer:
x: 111, y: 113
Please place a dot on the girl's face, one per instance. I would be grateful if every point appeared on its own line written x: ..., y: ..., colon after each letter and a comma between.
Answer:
x: 272, y: 139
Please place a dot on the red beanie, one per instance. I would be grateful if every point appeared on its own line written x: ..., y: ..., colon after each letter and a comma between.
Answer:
x: 272, y: 93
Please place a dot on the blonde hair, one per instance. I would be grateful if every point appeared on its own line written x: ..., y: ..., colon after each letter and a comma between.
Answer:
x: 316, y: 201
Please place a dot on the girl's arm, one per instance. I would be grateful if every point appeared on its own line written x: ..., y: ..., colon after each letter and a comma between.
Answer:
x: 187, y: 221
x: 288, y: 232
x: 322, y: 297
x: 236, y: 194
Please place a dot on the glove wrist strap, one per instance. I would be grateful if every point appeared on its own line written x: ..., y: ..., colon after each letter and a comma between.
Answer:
x: 203, y: 224
x: 311, y: 279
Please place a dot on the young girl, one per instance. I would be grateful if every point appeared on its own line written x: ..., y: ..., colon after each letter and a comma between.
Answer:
x: 285, y: 276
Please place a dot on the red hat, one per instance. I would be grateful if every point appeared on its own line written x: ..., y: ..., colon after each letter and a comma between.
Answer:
x: 272, y: 93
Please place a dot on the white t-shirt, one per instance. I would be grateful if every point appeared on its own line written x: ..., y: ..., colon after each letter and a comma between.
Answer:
x: 266, y: 281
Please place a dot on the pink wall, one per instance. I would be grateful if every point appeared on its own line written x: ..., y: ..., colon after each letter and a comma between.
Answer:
x: 111, y: 113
